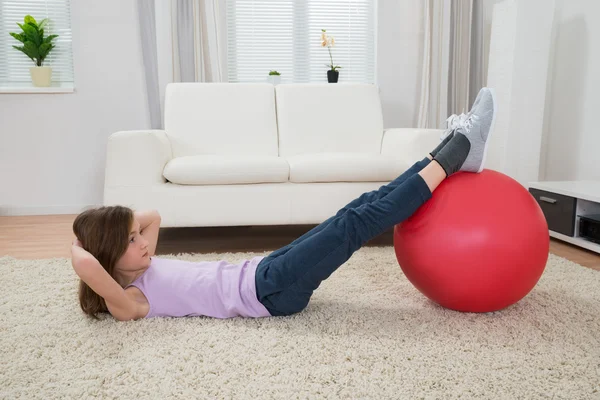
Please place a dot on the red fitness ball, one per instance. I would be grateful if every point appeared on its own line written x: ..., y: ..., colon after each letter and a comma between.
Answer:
x: 480, y: 244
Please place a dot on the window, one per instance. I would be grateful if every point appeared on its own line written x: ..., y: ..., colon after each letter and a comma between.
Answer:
x: 285, y: 35
x: 14, y: 65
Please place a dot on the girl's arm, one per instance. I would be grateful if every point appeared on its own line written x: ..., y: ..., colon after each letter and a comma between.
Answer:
x: 149, y: 226
x: 87, y: 267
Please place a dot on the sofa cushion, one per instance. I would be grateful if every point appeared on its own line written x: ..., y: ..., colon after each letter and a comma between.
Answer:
x: 344, y: 167
x: 315, y: 118
x: 226, y: 170
x: 221, y: 118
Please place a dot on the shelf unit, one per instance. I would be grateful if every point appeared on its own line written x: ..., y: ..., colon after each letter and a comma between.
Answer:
x: 586, y: 198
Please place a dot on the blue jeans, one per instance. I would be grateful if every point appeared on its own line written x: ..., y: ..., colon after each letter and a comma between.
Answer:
x: 287, y: 278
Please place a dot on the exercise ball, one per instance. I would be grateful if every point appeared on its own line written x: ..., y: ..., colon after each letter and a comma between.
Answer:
x: 480, y: 244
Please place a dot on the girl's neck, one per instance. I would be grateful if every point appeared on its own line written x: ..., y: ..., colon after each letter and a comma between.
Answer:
x: 124, y: 278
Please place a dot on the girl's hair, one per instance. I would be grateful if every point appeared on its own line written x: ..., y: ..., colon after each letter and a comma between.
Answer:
x: 104, y: 233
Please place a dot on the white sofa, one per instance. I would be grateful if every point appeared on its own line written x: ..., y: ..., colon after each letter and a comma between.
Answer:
x: 257, y: 154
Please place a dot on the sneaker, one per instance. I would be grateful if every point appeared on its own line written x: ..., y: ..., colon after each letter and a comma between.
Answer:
x: 452, y: 123
x: 454, y: 120
x: 478, y: 128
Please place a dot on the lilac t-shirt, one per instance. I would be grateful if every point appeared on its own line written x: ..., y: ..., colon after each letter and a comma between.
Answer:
x: 176, y: 288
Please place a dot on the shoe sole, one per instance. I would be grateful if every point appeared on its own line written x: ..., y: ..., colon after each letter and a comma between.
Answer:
x: 487, y: 141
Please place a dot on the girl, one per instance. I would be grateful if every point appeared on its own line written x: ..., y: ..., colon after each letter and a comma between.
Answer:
x: 113, y: 253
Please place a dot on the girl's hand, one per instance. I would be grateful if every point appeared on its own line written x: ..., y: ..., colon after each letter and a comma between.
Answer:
x: 79, y: 255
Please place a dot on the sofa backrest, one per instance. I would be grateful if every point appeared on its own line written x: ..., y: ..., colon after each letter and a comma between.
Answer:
x: 221, y: 118
x: 330, y: 117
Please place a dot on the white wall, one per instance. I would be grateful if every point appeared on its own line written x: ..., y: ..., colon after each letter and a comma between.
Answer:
x: 518, y: 70
x: 573, y: 106
x: 399, y: 61
x: 53, y: 146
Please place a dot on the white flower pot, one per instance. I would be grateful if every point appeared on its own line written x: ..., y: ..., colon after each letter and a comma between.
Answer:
x: 41, y: 76
x: 274, y: 79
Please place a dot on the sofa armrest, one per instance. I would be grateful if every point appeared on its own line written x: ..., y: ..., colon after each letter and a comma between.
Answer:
x: 409, y: 144
x: 137, y: 158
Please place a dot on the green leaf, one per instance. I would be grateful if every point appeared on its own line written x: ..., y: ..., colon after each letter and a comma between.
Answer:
x: 32, y: 34
x: 18, y: 36
x: 43, y: 23
x: 44, y: 49
x: 29, y: 19
x: 31, y: 50
x: 22, y: 48
x: 50, y: 49
x: 50, y: 38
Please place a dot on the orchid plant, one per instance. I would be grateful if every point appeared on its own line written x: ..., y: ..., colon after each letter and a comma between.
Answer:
x: 328, y: 41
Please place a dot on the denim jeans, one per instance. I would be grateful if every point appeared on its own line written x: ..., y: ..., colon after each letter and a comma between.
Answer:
x: 287, y: 278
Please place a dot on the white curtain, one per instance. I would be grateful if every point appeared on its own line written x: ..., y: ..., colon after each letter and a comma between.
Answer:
x: 460, y: 56
x: 147, y: 23
x: 199, y: 41
x: 182, y: 41
x: 454, y: 58
x: 434, y: 82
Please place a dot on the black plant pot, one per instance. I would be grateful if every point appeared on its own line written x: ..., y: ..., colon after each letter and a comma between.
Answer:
x: 332, y: 76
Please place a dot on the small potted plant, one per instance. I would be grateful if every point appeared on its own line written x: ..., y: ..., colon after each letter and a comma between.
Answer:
x: 329, y: 41
x: 274, y: 77
x: 37, y: 47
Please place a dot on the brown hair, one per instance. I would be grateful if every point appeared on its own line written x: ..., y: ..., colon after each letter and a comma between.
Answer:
x: 104, y: 233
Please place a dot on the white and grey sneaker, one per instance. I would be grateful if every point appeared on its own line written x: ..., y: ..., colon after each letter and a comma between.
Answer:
x: 478, y: 127
x: 454, y: 121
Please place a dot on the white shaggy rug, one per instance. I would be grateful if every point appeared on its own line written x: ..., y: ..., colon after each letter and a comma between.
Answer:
x: 367, y: 334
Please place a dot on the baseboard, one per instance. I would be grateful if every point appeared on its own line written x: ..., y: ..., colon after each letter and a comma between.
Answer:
x: 42, y: 210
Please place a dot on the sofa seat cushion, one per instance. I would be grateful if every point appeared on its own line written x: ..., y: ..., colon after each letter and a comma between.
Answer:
x: 344, y: 167
x: 226, y: 170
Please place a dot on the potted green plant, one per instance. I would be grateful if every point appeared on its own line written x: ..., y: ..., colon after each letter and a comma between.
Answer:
x: 37, y: 47
x: 274, y: 77
x: 329, y: 42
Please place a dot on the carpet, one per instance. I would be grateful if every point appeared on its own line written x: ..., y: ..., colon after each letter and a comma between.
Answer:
x: 367, y: 334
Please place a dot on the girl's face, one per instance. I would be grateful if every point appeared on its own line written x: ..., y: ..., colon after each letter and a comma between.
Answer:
x: 137, y: 255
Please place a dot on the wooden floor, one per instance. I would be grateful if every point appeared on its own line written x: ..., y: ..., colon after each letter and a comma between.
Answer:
x: 47, y: 236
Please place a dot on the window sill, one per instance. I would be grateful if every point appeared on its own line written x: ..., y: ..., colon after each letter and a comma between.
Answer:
x: 27, y: 87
